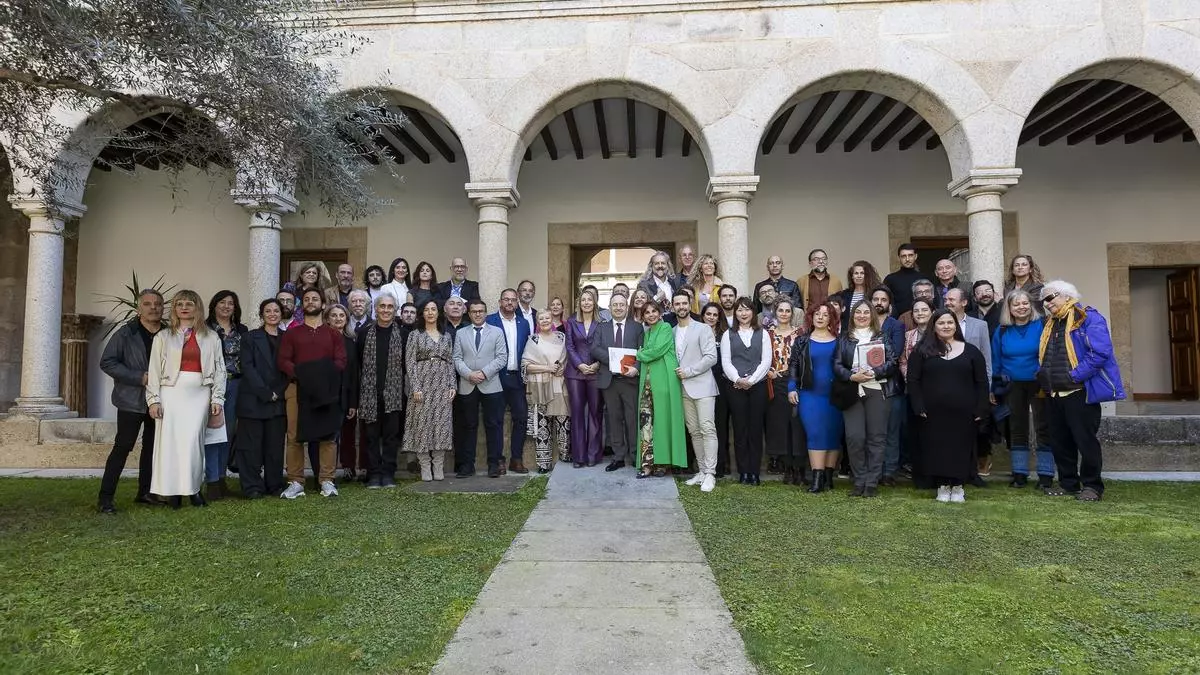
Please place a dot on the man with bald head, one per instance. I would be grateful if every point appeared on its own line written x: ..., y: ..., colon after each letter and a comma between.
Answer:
x: 945, y: 275
x: 784, y: 288
x: 458, y: 284
x: 687, y: 261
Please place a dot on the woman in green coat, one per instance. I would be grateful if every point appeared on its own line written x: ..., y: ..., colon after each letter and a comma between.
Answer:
x: 660, y: 406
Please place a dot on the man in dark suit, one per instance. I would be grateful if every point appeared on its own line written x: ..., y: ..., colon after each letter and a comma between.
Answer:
x: 619, y: 389
x: 459, y: 284
x: 516, y: 334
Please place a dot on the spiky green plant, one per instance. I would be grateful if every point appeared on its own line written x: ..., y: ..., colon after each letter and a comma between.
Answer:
x: 124, y: 307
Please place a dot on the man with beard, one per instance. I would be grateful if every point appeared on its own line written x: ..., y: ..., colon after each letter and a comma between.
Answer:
x: 373, y: 284
x: 727, y: 296
x: 900, y: 282
x: 986, y: 307
x: 380, y: 348
x: 287, y: 300
x: 659, y: 282
x: 408, y: 314
x: 458, y: 285
x: 766, y: 297
x: 526, y: 292
x: 312, y: 356
x: 479, y: 356
x: 345, y: 283
x: 687, y: 258
x: 696, y: 349
x: 820, y: 283
x: 126, y: 360
x: 516, y: 334
x: 455, y: 308
x: 784, y: 287
x: 922, y: 289
x: 360, y: 309
x: 893, y: 331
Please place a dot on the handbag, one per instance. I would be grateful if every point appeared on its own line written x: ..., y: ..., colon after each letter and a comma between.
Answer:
x: 844, y: 394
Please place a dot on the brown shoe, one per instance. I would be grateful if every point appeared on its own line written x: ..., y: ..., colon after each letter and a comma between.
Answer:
x: 516, y: 466
x: 985, y: 465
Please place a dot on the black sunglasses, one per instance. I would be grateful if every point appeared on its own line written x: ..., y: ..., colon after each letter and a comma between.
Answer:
x: 1048, y: 298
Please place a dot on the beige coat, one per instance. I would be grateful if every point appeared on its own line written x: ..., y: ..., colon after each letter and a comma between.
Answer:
x: 166, y: 352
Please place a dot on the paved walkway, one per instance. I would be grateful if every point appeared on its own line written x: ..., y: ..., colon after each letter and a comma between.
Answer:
x: 605, y: 577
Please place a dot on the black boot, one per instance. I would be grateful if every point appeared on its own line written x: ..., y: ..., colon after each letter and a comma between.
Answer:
x: 175, y: 501
x: 830, y: 475
x: 197, y: 500
x: 818, y: 482
x: 105, y: 506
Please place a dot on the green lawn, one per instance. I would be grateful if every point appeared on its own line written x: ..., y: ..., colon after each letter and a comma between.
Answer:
x: 1010, y: 582
x: 367, y: 582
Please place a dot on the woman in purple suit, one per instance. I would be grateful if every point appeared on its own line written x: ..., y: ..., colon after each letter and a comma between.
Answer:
x: 582, y: 394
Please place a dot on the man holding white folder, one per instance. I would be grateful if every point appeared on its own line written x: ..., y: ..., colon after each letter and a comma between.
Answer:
x: 620, y: 388
x: 696, y: 348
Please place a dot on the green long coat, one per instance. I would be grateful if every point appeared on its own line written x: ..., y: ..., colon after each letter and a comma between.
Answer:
x: 658, y: 362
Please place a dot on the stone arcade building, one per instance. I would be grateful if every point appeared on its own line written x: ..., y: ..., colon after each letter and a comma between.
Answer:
x: 542, y: 131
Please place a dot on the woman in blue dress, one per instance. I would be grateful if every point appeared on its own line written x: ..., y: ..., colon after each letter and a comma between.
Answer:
x: 809, y: 387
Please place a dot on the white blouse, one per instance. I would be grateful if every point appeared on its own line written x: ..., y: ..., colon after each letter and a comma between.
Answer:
x: 746, y: 335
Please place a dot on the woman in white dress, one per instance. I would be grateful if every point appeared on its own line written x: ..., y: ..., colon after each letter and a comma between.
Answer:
x: 185, y: 386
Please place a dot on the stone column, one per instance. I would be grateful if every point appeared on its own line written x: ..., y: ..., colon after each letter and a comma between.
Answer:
x: 494, y: 201
x: 266, y: 215
x: 981, y: 190
x: 732, y: 196
x: 41, y: 348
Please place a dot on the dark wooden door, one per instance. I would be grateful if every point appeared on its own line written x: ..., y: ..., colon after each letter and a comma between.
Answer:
x: 290, y: 262
x: 1183, y: 312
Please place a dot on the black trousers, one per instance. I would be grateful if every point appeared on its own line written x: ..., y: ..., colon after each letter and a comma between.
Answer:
x: 1074, y: 426
x: 749, y: 414
x: 621, y: 418
x: 383, y: 443
x: 722, y: 414
x: 784, y: 433
x: 259, y: 450
x: 518, y: 408
x: 493, y: 428
x: 128, y: 426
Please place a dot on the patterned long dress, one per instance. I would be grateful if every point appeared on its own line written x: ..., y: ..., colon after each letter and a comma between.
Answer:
x: 429, y: 369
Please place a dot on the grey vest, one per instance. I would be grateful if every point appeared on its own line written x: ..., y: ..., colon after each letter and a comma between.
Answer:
x: 745, y: 359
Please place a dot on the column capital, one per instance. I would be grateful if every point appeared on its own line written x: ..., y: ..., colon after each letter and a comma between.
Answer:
x: 40, y: 210
x: 984, y: 181
x: 277, y: 201
x: 498, y: 194
x: 731, y: 187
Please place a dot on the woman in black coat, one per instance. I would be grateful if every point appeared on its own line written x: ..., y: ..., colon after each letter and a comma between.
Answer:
x: 948, y: 391
x: 861, y: 392
x: 262, y: 422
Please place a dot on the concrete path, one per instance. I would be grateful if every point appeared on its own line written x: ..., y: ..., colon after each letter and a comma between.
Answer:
x: 605, y: 577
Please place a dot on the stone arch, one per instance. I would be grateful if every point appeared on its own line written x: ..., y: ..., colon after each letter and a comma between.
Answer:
x: 571, y: 79
x: 937, y: 88
x: 1164, y: 62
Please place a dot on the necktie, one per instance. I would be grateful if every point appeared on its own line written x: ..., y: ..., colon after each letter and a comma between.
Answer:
x: 620, y: 334
x: 478, y: 337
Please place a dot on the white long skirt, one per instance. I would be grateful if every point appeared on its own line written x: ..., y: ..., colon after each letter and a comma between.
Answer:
x: 179, y: 437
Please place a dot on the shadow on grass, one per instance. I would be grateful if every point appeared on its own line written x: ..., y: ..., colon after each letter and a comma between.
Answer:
x: 1010, y: 582
x: 371, y: 581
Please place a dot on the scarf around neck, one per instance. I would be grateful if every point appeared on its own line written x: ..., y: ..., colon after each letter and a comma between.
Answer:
x: 393, y: 385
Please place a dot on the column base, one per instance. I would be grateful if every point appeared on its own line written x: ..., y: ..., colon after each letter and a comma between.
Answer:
x: 41, y: 408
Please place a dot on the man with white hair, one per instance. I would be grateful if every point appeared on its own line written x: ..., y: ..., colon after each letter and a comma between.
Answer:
x: 360, y: 309
x: 1078, y: 371
x: 380, y: 348
x: 659, y: 283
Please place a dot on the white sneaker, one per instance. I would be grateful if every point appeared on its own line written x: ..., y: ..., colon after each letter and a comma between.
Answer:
x: 957, y: 495
x: 943, y: 494
x: 710, y: 482
x: 695, y: 480
x: 293, y: 490
x: 328, y: 489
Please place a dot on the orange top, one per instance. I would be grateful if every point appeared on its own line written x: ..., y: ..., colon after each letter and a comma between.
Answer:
x: 190, y: 361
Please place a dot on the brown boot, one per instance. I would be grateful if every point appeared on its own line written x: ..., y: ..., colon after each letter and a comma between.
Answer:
x: 517, y: 466
x: 215, y: 492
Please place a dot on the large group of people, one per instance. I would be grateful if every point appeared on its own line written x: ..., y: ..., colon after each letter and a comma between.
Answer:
x: 905, y: 374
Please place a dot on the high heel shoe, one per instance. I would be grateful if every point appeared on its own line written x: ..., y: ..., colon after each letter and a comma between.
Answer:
x: 743, y: 478
x: 753, y: 479
x: 818, y: 481
x: 197, y: 500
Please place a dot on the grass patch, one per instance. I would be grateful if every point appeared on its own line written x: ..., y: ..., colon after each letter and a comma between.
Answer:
x: 1010, y: 582
x: 370, y: 581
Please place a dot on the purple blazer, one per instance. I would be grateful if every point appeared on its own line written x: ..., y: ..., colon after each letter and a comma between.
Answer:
x: 579, y: 348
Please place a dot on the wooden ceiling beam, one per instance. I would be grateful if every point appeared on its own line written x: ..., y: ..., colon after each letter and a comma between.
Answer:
x: 631, y: 124
x: 892, y: 129
x: 1056, y: 96
x: 548, y: 139
x: 389, y: 149
x: 933, y: 143
x: 1137, y: 105
x: 601, y: 128
x: 918, y: 132
x: 1133, y: 126
x: 1170, y: 132
x: 1189, y: 136
x: 810, y: 122
x: 430, y: 134
x: 776, y: 130
x: 868, y: 125
x: 396, y: 135
x: 843, y: 118
x: 1090, y: 114
x: 573, y: 132
x: 687, y: 143
x: 1068, y: 110
x: 660, y: 132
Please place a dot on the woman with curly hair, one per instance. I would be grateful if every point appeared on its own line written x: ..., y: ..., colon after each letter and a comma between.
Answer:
x: 861, y: 279
x: 705, y: 282
x: 312, y: 274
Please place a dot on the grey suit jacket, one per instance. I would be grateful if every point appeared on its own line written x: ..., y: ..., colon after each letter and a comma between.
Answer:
x: 697, y: 359
x: 491, y: 358
x: 606, y: 337
x: 975, y: 331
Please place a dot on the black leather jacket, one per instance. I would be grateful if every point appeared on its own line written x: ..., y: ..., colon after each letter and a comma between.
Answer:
x: 844, y: 360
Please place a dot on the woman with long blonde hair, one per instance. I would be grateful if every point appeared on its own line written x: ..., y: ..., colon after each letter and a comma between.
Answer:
x: 185, y: 389
x: 705, y: 282
x: 1024, y: 274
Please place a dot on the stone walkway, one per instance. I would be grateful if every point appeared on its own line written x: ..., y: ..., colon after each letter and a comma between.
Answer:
x: 605, y: 577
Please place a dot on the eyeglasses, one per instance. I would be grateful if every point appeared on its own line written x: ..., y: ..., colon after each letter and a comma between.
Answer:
x: 1049, y: 298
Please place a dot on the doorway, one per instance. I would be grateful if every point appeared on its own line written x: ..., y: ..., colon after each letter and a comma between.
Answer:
x: 955, y: 249
x: 606, y: 267
x: 290, y: 262
x: 1164, y: 313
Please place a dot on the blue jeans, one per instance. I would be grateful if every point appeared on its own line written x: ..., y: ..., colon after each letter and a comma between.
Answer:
x: 216, y: 455
x: 895, y: 433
